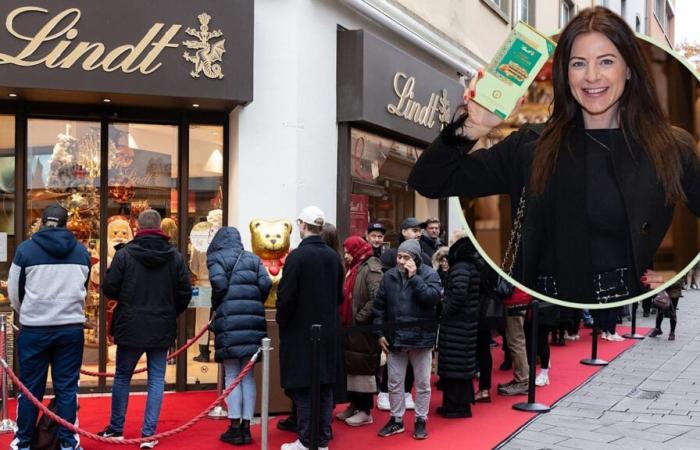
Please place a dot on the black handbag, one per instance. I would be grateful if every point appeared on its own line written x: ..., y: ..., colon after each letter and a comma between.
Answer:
x: 662, y: 301
x: 503, y: 288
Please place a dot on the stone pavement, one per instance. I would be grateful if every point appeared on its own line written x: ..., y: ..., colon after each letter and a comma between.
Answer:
x: 647, y: 398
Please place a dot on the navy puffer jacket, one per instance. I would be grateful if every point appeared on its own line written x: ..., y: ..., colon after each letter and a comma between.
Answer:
x: 238, y: 296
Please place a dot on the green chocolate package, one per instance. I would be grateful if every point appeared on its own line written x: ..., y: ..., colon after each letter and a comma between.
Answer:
x: 513, y: 69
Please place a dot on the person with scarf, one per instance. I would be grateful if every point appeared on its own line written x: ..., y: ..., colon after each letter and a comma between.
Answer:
x: 362, y: 351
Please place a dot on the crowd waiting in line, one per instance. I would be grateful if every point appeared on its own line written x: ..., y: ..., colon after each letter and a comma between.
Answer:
x: 359, y: 283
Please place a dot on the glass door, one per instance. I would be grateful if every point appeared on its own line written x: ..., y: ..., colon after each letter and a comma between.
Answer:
x: 142, y: 167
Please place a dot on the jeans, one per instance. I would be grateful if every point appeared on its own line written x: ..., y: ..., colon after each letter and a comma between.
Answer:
x: 127, y: 358
x: 241, y: 401
x: 302, y: 399
x: 397, y: 361
x: 37, y: 348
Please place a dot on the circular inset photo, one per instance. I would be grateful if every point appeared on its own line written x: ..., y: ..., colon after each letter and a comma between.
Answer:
x: 588, y: 195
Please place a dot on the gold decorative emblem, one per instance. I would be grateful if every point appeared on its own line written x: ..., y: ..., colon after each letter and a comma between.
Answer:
x: 443, y: 109
x: 207, y: 54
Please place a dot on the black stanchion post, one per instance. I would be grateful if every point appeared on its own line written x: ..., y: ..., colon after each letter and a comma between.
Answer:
x: 531, y: 405
x: 315, y: 385
x: 633, y: 332
x: 593, y: 360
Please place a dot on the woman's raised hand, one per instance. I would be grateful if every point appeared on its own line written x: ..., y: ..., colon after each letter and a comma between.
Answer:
x: 480, y: 121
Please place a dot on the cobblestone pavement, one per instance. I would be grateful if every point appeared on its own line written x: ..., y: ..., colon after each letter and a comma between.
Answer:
x: 647, y: 398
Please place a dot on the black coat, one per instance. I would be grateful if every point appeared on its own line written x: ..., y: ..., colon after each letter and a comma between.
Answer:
x: 309, y: 293
x: 429, y: 245
x: 238, y: 296
x: 555, y: 228
x: 402, y: 300
x: 151, y: 284
x: 457, y: 342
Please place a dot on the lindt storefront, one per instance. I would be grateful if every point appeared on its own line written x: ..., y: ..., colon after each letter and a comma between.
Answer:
x: 112, y: 107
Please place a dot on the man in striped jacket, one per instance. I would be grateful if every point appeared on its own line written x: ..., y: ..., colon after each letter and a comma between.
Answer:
x: 47, y: 286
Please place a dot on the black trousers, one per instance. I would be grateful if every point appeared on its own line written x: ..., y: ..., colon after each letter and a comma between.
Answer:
x: 484, y: 359
x: 362, y: 401
x: 542, y: 343
x: 606, y: 319
x: 457, y: 396
x: 302, y: 400
x: 671, y: 314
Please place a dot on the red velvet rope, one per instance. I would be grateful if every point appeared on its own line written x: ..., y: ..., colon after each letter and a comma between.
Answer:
x: 44, y: 409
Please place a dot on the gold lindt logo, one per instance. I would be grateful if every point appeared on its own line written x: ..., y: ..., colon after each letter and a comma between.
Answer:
x: 61, y: 31
x: 406, y: 107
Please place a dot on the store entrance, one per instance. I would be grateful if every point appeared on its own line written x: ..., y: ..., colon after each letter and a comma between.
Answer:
x: 105, y: 172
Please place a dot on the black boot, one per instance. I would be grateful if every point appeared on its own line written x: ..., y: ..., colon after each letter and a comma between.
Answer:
x: 233, y: 434
x: 246, y: 438
x: 203, y: 354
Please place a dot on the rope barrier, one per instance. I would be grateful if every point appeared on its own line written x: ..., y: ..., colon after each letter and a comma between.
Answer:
x: 170, y: 356
x: 71, y: 427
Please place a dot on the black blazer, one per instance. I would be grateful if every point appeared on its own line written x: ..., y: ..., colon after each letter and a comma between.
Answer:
x: 555, y: 229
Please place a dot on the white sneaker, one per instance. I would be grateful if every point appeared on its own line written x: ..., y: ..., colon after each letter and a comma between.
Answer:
x: 615, y: 337
x: 296, y: 445
x: 383, y: 401
x: 149, y: 444
x: 542, y: 380
x: 360, y: 418
x: 347, y: 412
x: 604, y: 335
x: 409, y: 401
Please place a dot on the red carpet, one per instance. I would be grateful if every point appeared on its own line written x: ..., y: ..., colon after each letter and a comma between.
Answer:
x: 491, y: 422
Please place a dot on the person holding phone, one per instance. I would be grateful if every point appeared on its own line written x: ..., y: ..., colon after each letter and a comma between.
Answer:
x: 408, y: 292
x: 599, y: 179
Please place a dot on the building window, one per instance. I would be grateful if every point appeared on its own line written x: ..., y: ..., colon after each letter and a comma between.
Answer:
x: 566, y: 12
x: 623, y: 9
x: 524, y: 10
x: 637, y: 24
x: 660, y: 13
x: 500, y: 7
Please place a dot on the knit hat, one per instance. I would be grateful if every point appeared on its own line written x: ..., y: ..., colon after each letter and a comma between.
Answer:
x: 410, y: 246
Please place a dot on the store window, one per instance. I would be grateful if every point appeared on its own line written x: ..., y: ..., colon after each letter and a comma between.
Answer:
x: 204, y: 218
x: 142, y: 173
x: 63, y: 166
x: 8, y: 240
x: 379, y: 169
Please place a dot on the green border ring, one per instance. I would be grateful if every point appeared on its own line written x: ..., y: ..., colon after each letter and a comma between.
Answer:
x: 454, y: 203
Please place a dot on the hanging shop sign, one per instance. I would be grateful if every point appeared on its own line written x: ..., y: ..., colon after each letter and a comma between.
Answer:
x: 383, y: 86
x: 196, y: 51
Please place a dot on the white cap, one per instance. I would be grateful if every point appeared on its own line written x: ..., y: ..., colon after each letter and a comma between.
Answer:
x: 312, y: 215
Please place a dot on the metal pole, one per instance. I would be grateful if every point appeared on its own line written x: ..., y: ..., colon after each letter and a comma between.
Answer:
x: 531, y: 405
x: 593, y: 360
x: 633, y: 332
x: 315, y: 385
x: 265, y: 400
x: 6, y: 425
x: 219, y: 412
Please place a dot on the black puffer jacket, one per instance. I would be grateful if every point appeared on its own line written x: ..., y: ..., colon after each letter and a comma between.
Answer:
x: 457, y: 343
x: 238, y: 296
x: 150, y: 282
x: 406, y: 300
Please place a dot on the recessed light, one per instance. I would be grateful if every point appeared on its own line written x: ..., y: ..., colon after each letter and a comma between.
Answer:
x: 195, y: 105
x: 107, y: 100
x: 13, y: 95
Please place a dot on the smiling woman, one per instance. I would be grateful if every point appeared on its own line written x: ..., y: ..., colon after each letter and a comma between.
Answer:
x: 598, y: 181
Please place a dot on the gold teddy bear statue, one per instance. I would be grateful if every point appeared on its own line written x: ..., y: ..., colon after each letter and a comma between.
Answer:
x: 270, y: 241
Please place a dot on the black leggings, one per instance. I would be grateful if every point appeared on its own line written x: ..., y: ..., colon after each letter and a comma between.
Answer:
x: 672, y: 315
x: 483, y: 357
x: 542, y: 343
x: 408, y: 382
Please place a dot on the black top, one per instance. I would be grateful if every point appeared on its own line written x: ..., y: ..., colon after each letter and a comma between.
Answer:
x: 605, y: 206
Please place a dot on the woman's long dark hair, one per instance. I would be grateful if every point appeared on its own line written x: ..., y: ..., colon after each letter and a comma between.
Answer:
x: 641, y: 117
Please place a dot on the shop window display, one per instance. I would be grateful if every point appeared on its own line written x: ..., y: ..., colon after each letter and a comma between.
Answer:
x: 379, y: 169
x: 8, y: 239
x: 205, y: 218
x: 63, y: 166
